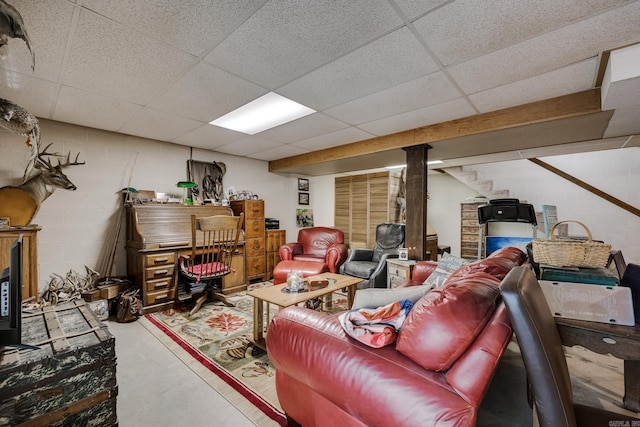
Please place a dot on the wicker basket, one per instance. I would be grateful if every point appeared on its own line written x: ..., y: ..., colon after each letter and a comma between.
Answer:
x: 564, y: 252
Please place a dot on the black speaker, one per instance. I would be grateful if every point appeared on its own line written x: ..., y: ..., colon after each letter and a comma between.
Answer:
x: 507, y: 210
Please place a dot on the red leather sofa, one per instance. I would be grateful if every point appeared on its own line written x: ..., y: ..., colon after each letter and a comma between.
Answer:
x: 436, y: 374
x: 317, y: 244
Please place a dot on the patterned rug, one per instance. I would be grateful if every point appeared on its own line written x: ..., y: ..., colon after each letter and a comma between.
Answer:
x: 216, y: 344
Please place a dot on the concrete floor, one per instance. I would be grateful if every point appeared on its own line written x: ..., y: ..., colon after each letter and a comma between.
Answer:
x: 155, y: 388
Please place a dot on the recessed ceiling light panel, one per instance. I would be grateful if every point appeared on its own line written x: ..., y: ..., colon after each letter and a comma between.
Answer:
x: 264, y: 113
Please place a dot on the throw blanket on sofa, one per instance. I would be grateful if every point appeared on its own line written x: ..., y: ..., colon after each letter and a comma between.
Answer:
x: 376, y: 327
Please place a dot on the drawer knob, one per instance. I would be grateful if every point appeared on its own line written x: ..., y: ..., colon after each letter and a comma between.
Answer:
x: 159, y: 272
x: 160, y: 260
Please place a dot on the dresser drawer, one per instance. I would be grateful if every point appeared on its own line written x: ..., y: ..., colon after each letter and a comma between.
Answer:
x: 160, y: 284
x: 160, y: 259
x: 255, y: 265
x: 254, y: 209
x: 151, y: 273
x: 254, y: 247
x: 157, y: 297
x: 254, y: 228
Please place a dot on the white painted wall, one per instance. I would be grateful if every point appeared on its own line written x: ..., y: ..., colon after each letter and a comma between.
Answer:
x: 616, y: 172
x: 75, y: 224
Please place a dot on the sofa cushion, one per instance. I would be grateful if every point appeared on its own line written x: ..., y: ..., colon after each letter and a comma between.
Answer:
x: 445, y: 268
x: 444, y: 322
x: 361, y: 269
x: 377, y: 297
x: 495, y: 266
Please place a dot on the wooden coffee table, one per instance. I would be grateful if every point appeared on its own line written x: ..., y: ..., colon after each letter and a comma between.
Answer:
x: 275, y: 295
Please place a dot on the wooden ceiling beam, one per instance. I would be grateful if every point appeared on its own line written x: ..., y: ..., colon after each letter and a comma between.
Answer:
x: 561, y: 107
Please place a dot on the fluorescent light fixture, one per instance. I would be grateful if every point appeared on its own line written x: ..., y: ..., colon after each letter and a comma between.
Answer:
x: 264, y: 113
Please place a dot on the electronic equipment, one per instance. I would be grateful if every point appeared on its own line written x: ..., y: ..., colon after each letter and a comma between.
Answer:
x: 11, y: 297
x: 505, y: 210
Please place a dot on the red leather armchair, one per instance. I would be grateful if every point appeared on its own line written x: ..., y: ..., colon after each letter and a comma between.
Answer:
x: 317, y: 244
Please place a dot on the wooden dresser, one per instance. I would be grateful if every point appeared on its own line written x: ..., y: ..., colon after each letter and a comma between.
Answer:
x: 255, y: 236
x: 29, y: 256
x: 469, y: 230
x: 156, y: 236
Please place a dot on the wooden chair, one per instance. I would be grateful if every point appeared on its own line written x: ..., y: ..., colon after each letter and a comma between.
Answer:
x: 213, y: 244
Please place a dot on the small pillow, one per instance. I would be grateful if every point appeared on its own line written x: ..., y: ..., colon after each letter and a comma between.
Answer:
x: 446, y: 266
x: 376, y: 297
x: 443, y: 324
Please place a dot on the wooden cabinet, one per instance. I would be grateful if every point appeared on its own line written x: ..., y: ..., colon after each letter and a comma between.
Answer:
x: 275, y: 239
x: 29, y: 256
x: 254, y: 230
x: 398, y: 271
x: 469, y: 230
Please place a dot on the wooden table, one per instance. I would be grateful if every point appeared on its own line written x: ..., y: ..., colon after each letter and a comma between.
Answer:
x: 620, y: 341
x: 275, y: 295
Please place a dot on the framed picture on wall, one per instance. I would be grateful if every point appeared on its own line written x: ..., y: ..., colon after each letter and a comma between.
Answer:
x: 303, y: 184
x: 303, y: 198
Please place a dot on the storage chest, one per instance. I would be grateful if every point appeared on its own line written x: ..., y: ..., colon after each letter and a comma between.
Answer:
x: 68, y: 379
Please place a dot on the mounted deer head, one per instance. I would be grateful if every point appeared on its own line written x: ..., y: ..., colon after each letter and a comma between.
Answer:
x: 21, y: 203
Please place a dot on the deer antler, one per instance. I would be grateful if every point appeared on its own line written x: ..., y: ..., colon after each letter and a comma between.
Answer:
x: 68, y: 163
x: 44, y: 162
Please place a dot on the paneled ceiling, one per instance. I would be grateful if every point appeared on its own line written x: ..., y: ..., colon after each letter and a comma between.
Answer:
x: 163, y: 69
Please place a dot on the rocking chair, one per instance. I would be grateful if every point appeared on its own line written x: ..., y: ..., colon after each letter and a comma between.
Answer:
x: 213, y: 244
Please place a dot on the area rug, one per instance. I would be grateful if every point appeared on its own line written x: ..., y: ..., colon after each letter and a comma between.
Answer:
x: 216, y: 344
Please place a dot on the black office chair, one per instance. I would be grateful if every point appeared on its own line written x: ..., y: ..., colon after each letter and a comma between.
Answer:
x: 544, y: 359
x: 371, y: 264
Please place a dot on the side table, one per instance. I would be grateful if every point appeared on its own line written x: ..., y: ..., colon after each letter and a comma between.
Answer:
x: 399, y: 271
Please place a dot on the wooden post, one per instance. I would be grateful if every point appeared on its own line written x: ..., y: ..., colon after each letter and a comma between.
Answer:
x: 416, y: 183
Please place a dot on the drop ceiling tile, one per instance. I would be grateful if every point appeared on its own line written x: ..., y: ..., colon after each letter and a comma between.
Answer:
x: 386, y: 62
x: 93, y: 110
x: 571, y: 79
x: 419, y: 93
x: 248, y: 145
x: 550, y: 51
x: 194, y: 26
x: 465, y: 29
x: 108, y: 58
x: 416, y: 8
x: 432, y: 114
x: 286, y: 39
x: 206, y: 93
x: 159, y: 125
x: 306, y: 127
x: 209, y: 137
x: 48, y: 29
x: 279, y: 153
x: 31, y: 93
x: 328, y: 140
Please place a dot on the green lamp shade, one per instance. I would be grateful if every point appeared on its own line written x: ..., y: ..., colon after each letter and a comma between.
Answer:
x: 186, y: 184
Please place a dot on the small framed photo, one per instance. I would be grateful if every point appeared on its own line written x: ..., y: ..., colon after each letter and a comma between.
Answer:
x: 303, y: 184
x: 403, y: 254
x: 303, y: 198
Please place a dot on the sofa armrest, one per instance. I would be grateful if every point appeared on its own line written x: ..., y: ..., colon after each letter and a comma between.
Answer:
x: 289, y: 250
x: 336, y: 254
x: 312, y: 349
x: 360, y: 255
x: 422, y: 270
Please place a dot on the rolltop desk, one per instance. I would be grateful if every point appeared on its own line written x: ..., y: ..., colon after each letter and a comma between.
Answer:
x: 157, y: 234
